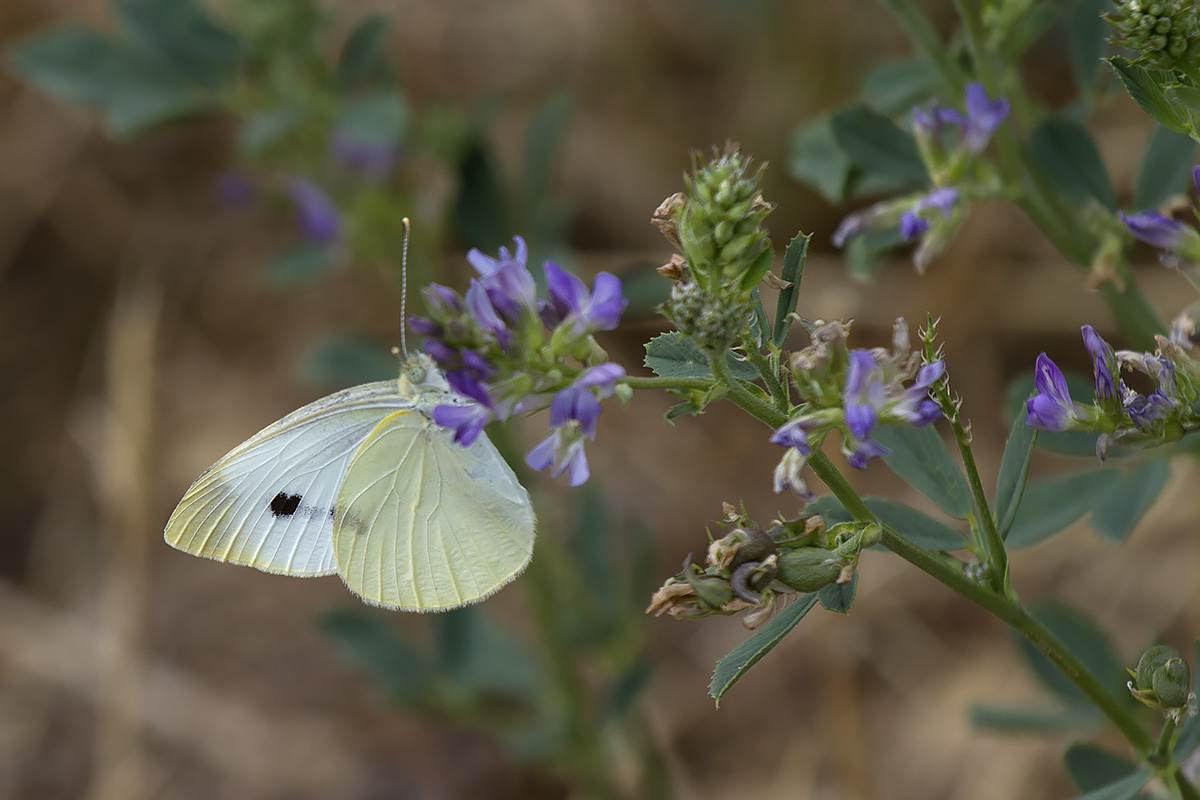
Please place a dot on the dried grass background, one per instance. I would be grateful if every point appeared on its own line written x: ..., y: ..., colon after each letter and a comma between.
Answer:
x: 138, y: 343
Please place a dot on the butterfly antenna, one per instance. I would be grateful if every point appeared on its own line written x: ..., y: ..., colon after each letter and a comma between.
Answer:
x: 404, y: 287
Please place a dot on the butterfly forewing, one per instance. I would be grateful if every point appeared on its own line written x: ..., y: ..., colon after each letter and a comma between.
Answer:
x: 269, y: 503
x: 424, y: 524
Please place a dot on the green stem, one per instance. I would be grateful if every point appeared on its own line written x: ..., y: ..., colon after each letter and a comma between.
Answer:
x: 997, y: 554
x: 1163, y: 749
x: 1005, y: 608
x: 682, y: 384
x: 770, y: 376
x: 926, y: 40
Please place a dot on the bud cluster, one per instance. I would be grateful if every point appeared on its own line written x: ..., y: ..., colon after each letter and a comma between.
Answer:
x: 755, y: 570
x: 717, y: 224
x: 1165, y: 34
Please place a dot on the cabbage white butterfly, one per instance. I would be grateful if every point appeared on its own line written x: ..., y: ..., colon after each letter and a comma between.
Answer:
x: 365, y: 484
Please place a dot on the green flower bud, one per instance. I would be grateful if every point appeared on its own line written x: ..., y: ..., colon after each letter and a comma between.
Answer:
x: 1162, y: 679
x: 808, y: 569
x: 1162, y: 35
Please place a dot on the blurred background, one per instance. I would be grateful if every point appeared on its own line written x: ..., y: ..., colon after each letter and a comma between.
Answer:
x: 146, y: 328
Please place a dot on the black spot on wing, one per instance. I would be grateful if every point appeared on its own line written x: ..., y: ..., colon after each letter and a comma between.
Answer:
x: 284, y: 505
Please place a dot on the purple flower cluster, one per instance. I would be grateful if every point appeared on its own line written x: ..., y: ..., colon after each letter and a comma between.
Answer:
x: 492, y: 345
x: 934, y: 216
x: 853, y: 391
x: 1119, y: 413
x: 983, y: 116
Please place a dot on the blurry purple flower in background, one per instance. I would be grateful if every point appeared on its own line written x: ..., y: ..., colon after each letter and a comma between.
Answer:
x: 983, y: 116
x: 1155, y: 229
x: 369, y: 159
x: 234, y: 189
x: 316, y: 216
x: 913, y: 224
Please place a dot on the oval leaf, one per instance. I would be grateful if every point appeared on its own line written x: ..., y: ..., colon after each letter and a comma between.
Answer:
x: 921, y: 458
x: 920, y: 529
x: 1051, y: 505
x: 1014, y: 469
x: 1165, y: 168
x: 1067, y: 154
x: 878, y: 146
x: 747, y: 654
x: 1116, y: 515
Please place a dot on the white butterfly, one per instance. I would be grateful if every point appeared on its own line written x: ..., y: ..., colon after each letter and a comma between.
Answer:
x: 365, y: 484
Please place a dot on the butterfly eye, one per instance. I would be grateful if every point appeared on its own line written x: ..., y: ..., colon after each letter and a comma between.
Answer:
x: 415, y: 372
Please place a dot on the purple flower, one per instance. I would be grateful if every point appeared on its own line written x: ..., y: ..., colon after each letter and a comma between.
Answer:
x: 1155, y: 229
x: 863, y: 451
x: 1051, y: 409
x: 602, y: 376
x: 234, y: 189
x: 1196, y: 178
x: 486, y: 265
x: 570, y: 301
x: 914, y: 405
x: 561, y: 451
x: 793, y: 434
x: 983, y: 116
x: 864, y: 393
x: 913, y: 224
x: 371, y: 159
x: 479, y: 305
x: 1104, y: 366
x: 1144, y: 410
x: 467, y: 386
x: 575, y: 403
x: 316, y: 216
x: 467, y: 420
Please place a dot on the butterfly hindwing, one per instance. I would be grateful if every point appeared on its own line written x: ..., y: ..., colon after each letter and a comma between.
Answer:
x: 269, y: 503
x: 424, y: 524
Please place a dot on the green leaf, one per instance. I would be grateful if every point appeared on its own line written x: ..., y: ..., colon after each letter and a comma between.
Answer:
x: 1027, y: 30
x: 1014, y: 469
x: 921, y: 458
x: 542, y: 143
x: 1189, y: 733
x: 919, y: 528
x: 1092, y: 767
x: 839, y: 596
x: 876, y: 144
x: 481, y: 208
x: 1145, y: 87
x: 1116, y: 515
x: 264, y: 128
x: 673, y: 355
x: 1086, y: 641
x: 363, y: 59
x: 1186, y: 101
x: 1070, y: 160
x: 816, y: 159
x: 346, y: 360
x: 758, y: 323
x: 483, y: 658
x: 1034, y: 720
x: 896, y: 86
x: 375, y: 118
x: 1087, y: 31
x: 132, y: 87
x: 757, y: 270
x: 1166, y: 166
x: 297, y: 265
x: 1050, y: 505
x: 1125, y: 789
x: 741, y: 658
x: 793, y: 270
x: 370, y: 643
x: 183, y: 34
x: 864, y: 253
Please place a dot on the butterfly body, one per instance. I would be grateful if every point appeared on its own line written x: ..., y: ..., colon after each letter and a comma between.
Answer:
x: 363, y: 483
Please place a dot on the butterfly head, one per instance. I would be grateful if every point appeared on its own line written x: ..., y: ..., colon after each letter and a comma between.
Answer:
x: 421, y: 376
